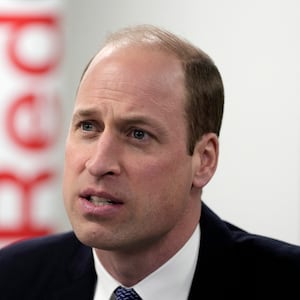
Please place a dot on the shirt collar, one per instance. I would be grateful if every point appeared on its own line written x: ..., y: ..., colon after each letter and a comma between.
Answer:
x: 171, y: 281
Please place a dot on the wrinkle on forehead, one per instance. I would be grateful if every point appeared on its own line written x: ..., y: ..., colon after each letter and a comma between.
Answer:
x: 136, y: 98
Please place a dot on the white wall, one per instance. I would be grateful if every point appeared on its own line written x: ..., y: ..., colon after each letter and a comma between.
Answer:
x: 256, y: 46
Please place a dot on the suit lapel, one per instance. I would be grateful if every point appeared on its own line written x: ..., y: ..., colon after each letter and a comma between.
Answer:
x: 80, y: 277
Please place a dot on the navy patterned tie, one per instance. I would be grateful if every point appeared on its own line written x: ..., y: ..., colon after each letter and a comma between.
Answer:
x: 122, y: 293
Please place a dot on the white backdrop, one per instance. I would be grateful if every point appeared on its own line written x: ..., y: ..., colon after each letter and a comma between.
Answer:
x: 256, y: 45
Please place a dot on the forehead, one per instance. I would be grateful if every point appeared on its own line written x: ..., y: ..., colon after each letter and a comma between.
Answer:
x: 135, y: 70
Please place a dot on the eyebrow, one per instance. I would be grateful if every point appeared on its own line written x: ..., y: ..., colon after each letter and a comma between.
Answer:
x: 83, y: 113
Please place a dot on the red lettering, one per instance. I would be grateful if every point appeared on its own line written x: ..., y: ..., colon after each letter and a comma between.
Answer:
x: 37, y: 134
x: 19, y: 23
x: 32, y: 119
x: 26, y: 186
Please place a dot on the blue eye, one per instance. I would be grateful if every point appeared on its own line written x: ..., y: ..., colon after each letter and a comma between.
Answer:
x: 138, y: 134
x: 86, y: 126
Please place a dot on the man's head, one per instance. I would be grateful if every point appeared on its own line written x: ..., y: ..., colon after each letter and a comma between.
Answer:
x: 130, y: 185
x: 203, y: 83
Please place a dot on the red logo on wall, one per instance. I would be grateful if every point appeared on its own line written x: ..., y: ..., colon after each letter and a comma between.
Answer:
x: 32, y: 52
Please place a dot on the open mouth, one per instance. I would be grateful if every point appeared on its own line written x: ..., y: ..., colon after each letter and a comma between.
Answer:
x: 100, y: 201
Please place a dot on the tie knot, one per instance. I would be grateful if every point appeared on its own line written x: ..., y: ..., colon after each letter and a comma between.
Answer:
x: 122, y: 293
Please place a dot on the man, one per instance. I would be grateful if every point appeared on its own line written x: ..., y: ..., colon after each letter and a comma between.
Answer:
x: 142, y: 144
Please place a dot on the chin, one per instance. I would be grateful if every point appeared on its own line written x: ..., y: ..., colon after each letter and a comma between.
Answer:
x: 89, y: 235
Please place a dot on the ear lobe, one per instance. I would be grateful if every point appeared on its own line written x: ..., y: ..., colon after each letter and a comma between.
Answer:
x: 205, y: 159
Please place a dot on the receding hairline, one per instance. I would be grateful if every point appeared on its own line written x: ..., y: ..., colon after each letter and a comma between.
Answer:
x: 156, y: 37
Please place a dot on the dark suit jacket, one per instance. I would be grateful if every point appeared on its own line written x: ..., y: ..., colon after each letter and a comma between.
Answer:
x: 232, y: 264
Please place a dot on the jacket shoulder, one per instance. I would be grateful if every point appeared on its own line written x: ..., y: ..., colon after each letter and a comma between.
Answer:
x: 37, y: 247
x: 43, y: 263
x: 237, y: 261
x: 216, y: 230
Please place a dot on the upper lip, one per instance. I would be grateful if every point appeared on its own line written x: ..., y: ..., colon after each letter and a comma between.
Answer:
x: 89, y: 192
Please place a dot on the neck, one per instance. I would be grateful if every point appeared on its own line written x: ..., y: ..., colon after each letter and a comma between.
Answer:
x: 130, y: 267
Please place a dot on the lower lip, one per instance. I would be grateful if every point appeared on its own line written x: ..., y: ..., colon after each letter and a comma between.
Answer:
x: 88, y: 208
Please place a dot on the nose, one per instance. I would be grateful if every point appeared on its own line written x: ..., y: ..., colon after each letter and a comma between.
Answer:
x: 105, y: 156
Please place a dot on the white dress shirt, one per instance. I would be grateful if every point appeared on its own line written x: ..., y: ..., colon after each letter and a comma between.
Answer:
x: 170, y: 281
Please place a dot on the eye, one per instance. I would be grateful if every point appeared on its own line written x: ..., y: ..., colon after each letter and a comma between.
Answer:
x: 139, y: 134
x: 86, y: 126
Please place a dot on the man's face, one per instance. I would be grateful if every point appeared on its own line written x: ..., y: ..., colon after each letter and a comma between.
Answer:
x: 128, y: 176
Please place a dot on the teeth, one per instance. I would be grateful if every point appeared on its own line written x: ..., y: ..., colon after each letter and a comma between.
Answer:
x: 100, y: 201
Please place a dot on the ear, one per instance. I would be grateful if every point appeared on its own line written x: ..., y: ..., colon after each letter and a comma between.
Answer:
x: 205, y: 159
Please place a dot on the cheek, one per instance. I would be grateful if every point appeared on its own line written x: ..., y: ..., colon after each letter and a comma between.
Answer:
x: 74, y: 158
x: 164, y: 180
x: 174, y: 166
x: 73, y: 166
